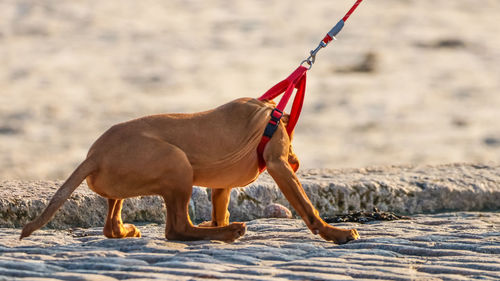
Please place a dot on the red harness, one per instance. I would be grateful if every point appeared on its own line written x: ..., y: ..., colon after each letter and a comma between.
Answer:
x: 296, y: 80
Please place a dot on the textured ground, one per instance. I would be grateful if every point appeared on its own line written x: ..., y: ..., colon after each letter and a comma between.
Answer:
x: 408, y: 82
x: 400, y: 189
x: 451, y: 246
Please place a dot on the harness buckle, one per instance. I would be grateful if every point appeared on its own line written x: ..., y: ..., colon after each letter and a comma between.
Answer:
x: 271, y: 127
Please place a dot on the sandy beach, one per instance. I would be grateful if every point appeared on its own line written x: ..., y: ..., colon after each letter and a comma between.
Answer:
x: 408, y: 82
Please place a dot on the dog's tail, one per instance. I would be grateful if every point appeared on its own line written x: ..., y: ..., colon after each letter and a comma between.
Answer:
x: 61, y: 195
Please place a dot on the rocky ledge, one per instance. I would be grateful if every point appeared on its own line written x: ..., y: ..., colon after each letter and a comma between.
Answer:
x: 401, y: 189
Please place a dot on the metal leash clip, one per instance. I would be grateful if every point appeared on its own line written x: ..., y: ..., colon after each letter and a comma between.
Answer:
x: 330, y: 36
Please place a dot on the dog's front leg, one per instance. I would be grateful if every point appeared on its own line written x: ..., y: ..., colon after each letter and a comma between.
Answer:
x: 277, y: 156
x: 289, y: 184
x: 220, y: 202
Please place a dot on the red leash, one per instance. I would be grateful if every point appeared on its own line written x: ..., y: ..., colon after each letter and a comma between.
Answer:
x: 296, y: 80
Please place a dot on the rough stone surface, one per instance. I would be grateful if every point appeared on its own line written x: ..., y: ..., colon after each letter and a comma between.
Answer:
x: 448, y: 246
x: 400, y: 189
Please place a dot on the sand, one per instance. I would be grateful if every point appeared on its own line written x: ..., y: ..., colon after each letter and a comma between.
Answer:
x: 451, y: 246
x: 408, y: 82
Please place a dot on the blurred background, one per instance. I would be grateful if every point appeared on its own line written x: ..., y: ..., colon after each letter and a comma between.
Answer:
x: 408, y: 81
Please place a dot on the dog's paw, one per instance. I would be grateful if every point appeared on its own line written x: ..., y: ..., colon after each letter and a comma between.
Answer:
x: 131, y: 230
x: 235, y: 230
x: 340, y: 236
x: 353, y: 235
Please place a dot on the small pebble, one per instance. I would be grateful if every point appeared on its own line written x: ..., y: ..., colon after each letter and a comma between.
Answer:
x: 275, y: 210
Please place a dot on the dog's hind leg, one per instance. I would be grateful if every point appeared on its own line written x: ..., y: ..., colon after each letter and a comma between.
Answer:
x: 180, y: 227
x: 114, y: 227
x: 220, y: 214
x: 176, y: 188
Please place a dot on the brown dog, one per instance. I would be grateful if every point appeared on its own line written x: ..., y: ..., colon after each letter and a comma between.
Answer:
x: 167, y: 154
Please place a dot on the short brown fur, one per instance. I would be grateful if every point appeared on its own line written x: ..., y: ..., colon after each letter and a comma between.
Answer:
x: 167, y: 154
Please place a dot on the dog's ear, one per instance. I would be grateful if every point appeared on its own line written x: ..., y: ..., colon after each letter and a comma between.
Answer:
x: 285, y: 119
x: 271, y: 102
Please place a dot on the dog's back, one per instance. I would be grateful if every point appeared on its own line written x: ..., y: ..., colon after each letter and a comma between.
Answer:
x: 218, y: 143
